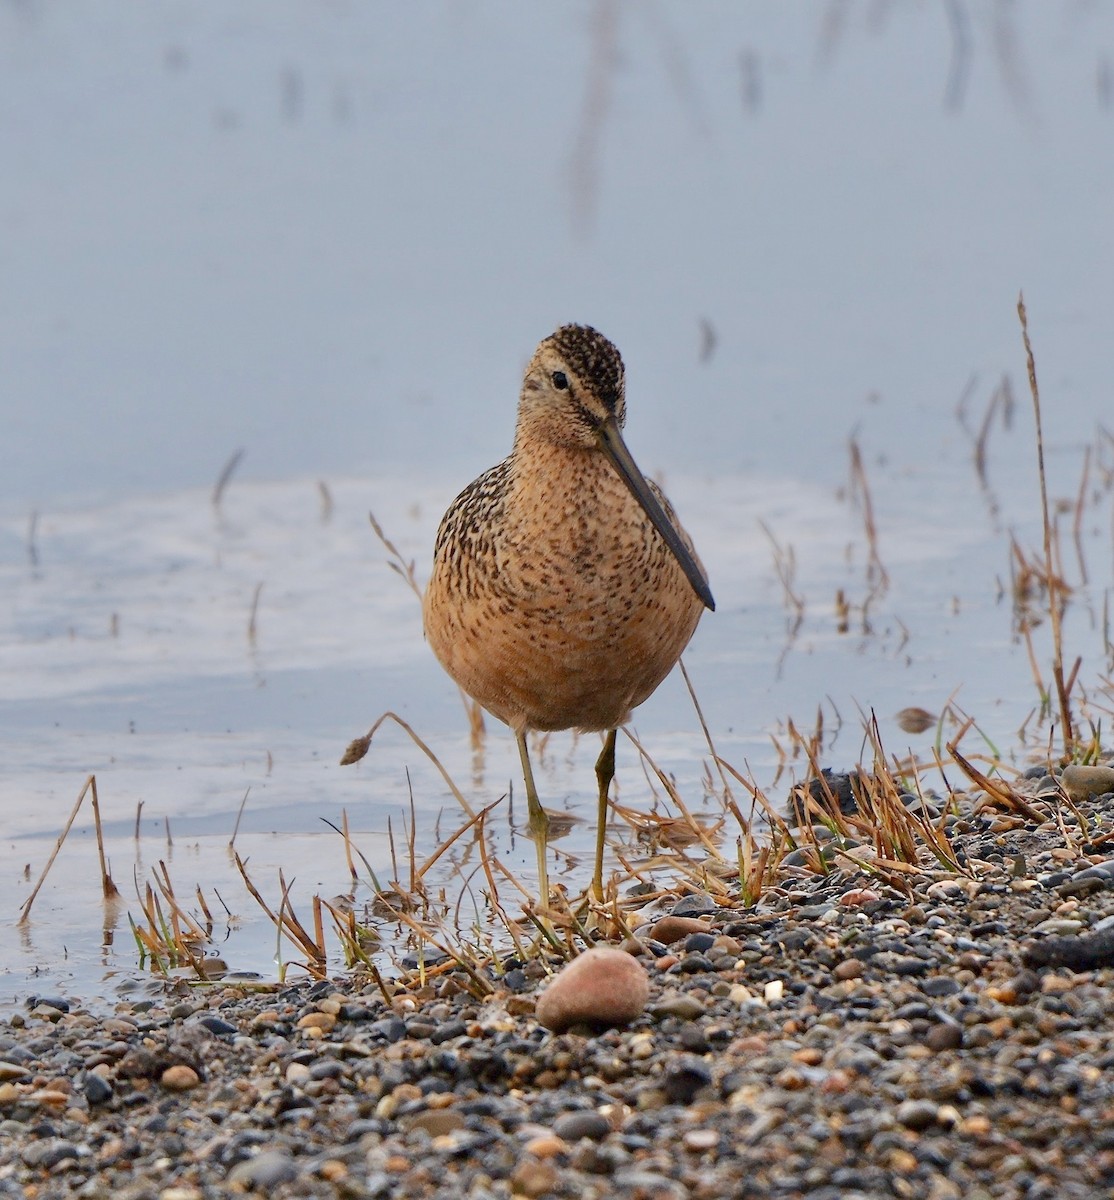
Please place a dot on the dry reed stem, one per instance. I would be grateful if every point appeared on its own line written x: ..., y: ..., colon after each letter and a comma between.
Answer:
x: 426, y: 937
x: 326, y: 498
x: 1077, y: 520
x: 253, y: 617
x: 785, y: 564
x: 239, y: 817
x: 25, y: 911
x: 108, y: 889
x: 1053, y: 604
x: 225, y: 475
x: 876, y: 572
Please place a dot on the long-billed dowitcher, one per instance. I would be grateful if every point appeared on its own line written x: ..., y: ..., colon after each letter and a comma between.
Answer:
x: 563, y: 588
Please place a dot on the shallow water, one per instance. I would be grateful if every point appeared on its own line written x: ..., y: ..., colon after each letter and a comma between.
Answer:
x: 332, y: 238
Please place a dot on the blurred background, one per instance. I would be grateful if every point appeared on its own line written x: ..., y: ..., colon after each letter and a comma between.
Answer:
x: 331, y: 234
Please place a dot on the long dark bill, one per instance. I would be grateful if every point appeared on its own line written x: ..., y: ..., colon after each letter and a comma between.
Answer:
x: 611, y: 440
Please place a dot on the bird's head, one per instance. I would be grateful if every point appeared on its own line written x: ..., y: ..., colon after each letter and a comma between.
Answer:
x: 572, y: 387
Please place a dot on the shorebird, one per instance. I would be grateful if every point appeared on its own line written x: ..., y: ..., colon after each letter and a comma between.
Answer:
x: 563, y: 588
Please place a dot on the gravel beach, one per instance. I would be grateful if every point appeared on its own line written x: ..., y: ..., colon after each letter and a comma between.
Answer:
x: 840, y: 1039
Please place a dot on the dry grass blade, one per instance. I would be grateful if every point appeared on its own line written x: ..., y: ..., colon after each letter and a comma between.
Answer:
x: 775, y: 818
x: 284, y: 919
x: 698, y: 831
x: 480, y: 989
x: 999, y: 791
x: 472, y: 822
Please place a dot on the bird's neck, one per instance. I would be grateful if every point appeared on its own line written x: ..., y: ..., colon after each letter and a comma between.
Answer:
x: 571, y: 485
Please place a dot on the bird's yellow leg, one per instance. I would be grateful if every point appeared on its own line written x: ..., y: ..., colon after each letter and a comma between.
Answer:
x: 539, y: 821
x: 605, y: 773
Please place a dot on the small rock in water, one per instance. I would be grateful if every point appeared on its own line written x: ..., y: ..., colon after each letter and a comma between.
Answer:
x: 601, y: 988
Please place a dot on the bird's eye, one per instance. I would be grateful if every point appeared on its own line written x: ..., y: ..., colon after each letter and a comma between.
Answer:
x: 560, y: 380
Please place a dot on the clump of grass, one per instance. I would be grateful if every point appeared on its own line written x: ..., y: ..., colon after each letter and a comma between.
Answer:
x: 169, y: 937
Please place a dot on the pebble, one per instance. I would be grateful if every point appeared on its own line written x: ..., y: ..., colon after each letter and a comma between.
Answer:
x: 670, y: 929
x: 699, y: 904
x: 683, y: 1006
x: 1083, y: 783
x: 600, y: 988
x: 573, y: 1126
x: 264, y: 1172
x: 916, y: 1114
x: 179, y: 1078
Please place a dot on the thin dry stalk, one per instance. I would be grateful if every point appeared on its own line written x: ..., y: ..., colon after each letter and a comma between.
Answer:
x: 1077, y: 521
x: 877, y: 574
x: 785, y: 564
x: 351, y: 848
x: 108, y: 889
x: 728, y: 796
x: 326, y: 498
x: 252, y: 618
x: 776, y: 820
x: 471, y: 823
x: 408, y: 572
x: 360, y: 746
x: 178, y: 914
x: 225, y: 476
x: 397, y: 563
x: 25, y: 911
x: 1053, y: 605
x: 239, y: 817
x: 493, y: 891
x: 481, y: 988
